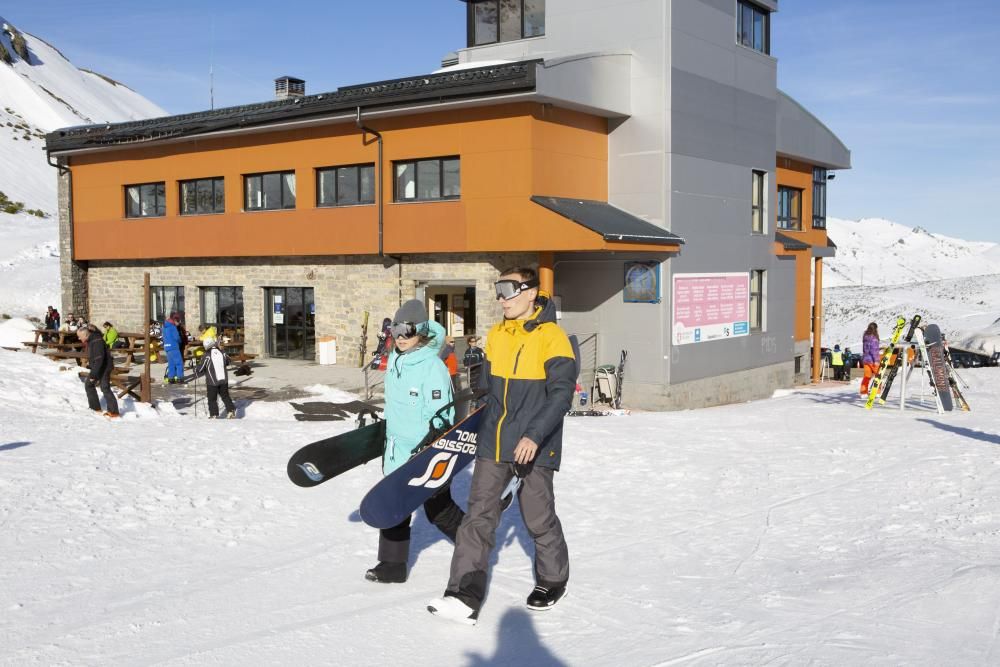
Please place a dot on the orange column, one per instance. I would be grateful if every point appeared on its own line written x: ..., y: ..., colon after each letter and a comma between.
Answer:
x: 546, y: 272
x: 817, y: 318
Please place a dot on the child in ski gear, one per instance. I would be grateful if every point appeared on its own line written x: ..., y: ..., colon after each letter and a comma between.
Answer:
x: 172, y: 348
x: 870, y: 355
x: 417, y: 385
x: 100, y: 363
x: 530, y: 371
x: 213, y: 367
x: 837, y: 363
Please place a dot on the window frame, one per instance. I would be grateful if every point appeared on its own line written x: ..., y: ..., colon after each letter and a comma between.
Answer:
x: 760, y: 311
x: 160, y: 201
x: 786, y: 225
x: 261, y: 175
x: 238, y: 298
x: 335, y: 169
x: 471, y: 40
x: 760, y: 189
x: 819, y: 197
x: 416, y: 180
x: 220, y: 180
x: 755, y: 10
x: 157, y: 297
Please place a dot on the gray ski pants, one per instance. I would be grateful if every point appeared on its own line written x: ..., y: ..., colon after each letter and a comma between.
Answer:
x: 477, y: 534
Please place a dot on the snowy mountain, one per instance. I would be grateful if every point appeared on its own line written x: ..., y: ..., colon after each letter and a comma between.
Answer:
x: 40, y: 90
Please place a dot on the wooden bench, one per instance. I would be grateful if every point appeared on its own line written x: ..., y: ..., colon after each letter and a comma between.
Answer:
x: 81, y: 358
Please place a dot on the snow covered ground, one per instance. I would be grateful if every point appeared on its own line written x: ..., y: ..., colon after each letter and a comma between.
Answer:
x: 797, y: 530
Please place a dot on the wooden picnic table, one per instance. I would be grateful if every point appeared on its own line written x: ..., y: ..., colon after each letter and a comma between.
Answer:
x: 61, y: 335
x: 59, y: 355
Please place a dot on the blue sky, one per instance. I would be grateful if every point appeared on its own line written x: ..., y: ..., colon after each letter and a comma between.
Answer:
x: 911, y: 86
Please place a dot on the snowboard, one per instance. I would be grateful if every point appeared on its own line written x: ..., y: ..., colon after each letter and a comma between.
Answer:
x: 897, y: 360
x: 380, y: 357
x: 320, y: 461
x: 402, y: 491
x: 883, y: 364
x: 939, y: 366
x: 621, y: 378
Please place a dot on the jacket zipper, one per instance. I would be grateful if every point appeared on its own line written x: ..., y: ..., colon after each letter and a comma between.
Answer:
x: 506, y: 382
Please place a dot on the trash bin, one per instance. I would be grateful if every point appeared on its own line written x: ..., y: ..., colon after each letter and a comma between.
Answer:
x: 327, y: 350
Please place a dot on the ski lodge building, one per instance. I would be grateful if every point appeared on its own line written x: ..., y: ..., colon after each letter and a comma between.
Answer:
x: 638, y: 153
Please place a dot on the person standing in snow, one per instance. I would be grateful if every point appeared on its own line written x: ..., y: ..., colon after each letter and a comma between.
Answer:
x: 213, y: 367
x: 417, y: 385
x: 100, y: 363
x: 531, y: 374
x: 172, y: 348
x: 869, y: 355
x: 837, y: 363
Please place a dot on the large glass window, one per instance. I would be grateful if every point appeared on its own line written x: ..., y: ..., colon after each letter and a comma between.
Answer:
x: 759, y: 180
x: 756, y: 300
x: 753, y: 27
x: 345, y: 186
x: 428, y: 180
x: 270, y: 192
x: 789, y: 208
x: 147, y: 200
x: 819, y: 198
x: 165, y: 301
x: 203, y: 196
x: 222, y: 307
x: 492, y: 21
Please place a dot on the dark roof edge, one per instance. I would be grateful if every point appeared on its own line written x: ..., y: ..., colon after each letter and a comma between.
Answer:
x: 789, y: 243
x: 662, y: 237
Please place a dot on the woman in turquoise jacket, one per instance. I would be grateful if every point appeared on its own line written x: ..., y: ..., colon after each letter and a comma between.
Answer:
x: 417, y: 385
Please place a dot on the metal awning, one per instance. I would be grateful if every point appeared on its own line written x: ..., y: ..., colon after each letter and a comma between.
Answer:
x: 612, y: 223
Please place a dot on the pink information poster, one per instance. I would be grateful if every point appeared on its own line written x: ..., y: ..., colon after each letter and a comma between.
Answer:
x: 710, y: 306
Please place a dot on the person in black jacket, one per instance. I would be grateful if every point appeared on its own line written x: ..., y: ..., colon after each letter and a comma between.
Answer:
x: 213, y: 367
x: 100, y: 362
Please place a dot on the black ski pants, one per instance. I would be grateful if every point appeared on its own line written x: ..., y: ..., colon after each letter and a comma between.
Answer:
x: 214, y: 393
x: 109, y: 396
x: 441, y: 510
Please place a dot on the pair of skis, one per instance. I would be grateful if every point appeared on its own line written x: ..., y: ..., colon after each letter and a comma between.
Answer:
x: 884, y: 362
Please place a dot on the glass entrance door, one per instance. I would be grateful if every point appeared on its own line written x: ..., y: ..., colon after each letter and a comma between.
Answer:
x: 291, y: 322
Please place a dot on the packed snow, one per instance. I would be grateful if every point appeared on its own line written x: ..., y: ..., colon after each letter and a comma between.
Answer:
x: 800, y: 529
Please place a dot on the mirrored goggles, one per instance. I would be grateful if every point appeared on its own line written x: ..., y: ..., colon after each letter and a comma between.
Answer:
x: 508, y: 289
x: 403, y: 330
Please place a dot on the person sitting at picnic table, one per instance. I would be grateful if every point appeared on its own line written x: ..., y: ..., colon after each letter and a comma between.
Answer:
x: 213, y: 367
x: 111, y: 338
x: 51, y: 322
x: 100, y: 363
x: 205, y: 331
x: 69, y: 324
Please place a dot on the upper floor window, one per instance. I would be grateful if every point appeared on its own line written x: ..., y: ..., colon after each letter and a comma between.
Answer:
x: 428, y: 180
x: 345, y: 186
x: 758, y: 181
x: 789, y: 208
x: 753, y: 28
x: 270, y: 192
x: 147, y: 200
x: 203, y: 196
x: 492, y: 21
x: 819, y: 198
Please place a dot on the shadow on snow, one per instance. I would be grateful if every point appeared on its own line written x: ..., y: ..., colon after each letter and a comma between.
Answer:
x: 13, y: 445
x: 517, y: 644
x: 991, y: 438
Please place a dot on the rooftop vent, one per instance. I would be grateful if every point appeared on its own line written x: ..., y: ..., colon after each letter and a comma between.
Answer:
x: 289, y: 86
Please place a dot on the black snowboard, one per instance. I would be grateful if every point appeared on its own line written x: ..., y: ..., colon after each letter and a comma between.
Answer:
x: 322, y: 460
x: 939, y: 367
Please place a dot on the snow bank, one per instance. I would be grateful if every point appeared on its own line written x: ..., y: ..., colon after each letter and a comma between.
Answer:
x: 15, y: 331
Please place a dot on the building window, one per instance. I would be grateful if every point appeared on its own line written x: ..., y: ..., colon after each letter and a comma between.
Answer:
x: 756, y: 300
x: 166, y: 301
x: 222, y: 307
x: 753, y: 28
x: 758, y: 185
x: 790, y: 208
x: 492, y: 21
x: 345, y: 186
x: 270, y: 192
x: 428, y: 180
x: 203, y: 196
x: 147, y: 200
x: 819, y: 198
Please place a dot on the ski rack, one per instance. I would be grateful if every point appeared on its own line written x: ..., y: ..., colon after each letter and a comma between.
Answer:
x: 900, y: 348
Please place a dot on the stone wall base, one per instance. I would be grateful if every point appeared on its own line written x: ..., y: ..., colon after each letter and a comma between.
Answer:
x: 739, y: 387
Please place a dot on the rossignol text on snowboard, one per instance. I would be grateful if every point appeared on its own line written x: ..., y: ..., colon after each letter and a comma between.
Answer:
x: 894, y: 367
x: 405, y: 489
x: 883, y: 364
x: 320, y: 461
x: 925, y: 362
x: 939, y: 366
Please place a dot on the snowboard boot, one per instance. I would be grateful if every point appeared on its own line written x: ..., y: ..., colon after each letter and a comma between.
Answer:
x: 453, y: 609
x: 543, y: 599
x: 231, y: 415
x: 387, y: 573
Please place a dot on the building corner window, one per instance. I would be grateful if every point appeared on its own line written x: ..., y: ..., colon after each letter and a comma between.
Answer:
x: 753, y: 27
x: 758, y: 212
x: 819, y: 198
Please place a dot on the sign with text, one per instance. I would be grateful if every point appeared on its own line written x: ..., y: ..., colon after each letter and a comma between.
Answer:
x: 710, y: 306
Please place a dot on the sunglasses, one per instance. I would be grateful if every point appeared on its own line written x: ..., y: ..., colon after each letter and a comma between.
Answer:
x: 403, y: 330
x: 508, y: 289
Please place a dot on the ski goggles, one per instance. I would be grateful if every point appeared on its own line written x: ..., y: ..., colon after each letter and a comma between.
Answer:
x: 508, y: 289
x: 403, y: 330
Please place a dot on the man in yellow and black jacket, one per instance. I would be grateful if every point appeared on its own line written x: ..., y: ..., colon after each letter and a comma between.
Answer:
x: 530, y: 372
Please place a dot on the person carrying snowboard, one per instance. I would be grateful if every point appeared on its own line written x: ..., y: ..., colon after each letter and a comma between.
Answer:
x: 869, y: 355
x: 417, y: 385
x: 213, y: 366
x: 531, y: 374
